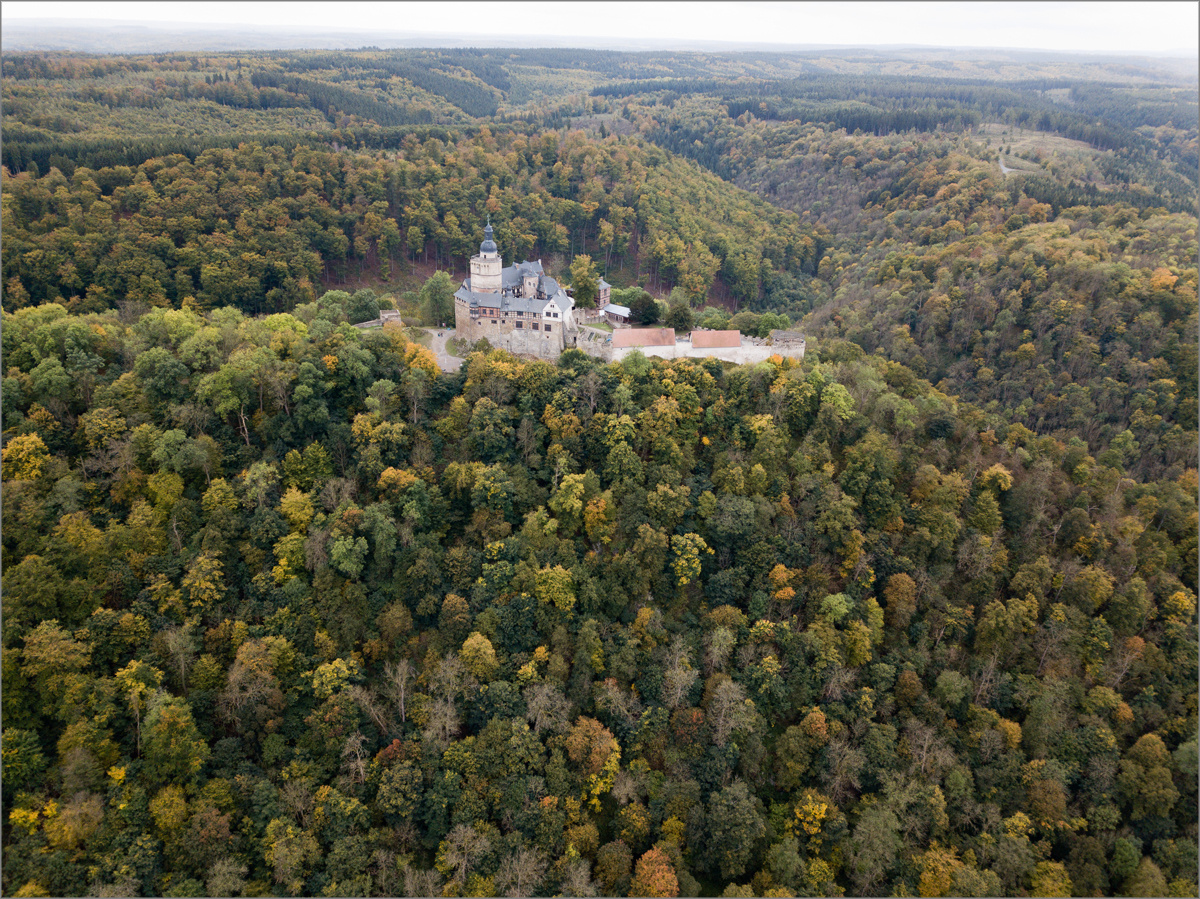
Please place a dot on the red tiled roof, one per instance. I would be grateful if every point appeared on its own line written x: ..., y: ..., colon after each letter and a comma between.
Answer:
x: 643, y: 337
x: 708, y: 339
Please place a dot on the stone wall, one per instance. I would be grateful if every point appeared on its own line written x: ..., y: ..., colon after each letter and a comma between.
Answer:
x: 505, y: 335
x: 475, y: 328
x: 532, y: 343
x: 386, y: 316
x: 743, y: 355
x: 594, y: 344
x: 599, y: 346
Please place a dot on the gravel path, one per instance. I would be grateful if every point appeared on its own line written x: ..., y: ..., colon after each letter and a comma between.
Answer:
x: 1006, y: 171
x: 445, y: 361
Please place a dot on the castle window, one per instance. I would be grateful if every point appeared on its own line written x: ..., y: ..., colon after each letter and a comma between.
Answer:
x: 535, y: 327
x: 520, y: 324
x: 549, y: 327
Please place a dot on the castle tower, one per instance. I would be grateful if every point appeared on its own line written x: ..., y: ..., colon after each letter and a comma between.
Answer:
x: 485, y: 268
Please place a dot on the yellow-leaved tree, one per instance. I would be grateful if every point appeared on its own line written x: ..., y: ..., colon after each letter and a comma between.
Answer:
x: 24, y: 457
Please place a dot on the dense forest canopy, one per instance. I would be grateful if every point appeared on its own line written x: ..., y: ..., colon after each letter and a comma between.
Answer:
x: 287, y: 610
x: 259, y: 227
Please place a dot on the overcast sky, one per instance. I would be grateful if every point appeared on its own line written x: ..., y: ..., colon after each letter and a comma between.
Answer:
x: 1120, y: 27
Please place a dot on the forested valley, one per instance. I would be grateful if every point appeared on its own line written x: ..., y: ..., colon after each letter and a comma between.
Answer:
x: 287, y: 610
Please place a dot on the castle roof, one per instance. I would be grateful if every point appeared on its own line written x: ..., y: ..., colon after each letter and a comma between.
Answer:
x: 512, y: 275
x: 508, y: 302
x: 644, y: 337
x: 488, y: 245
x: 713, y: 339
x: 500, y: 301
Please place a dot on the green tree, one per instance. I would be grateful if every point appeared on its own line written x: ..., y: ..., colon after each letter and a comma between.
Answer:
x: 24, y: 762
x: 289, y: 851
x: 643, y: 309
x: 875, y: 844
x: 1145, y: 778
x: 437, y: 300
x: 363, y: 306
x: 785, y: 864
x: 585, y: 283
x: 679, y: 314
x: 614, y: 864
x: 734, y: 829
x: 35, y: 590
x: 556, y: 587
x: 1147, y: 880
x: 53, y: 662
x: 175, y: 752
x: 400, y: 790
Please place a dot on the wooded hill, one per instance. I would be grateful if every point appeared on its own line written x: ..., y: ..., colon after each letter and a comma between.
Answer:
x: 286, y: 610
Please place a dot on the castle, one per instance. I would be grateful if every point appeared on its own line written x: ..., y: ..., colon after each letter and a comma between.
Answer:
x: 519, y: 307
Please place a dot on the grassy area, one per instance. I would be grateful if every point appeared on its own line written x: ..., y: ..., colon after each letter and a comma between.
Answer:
x: 533, y: 84
x: 600, y: 326
x: 1033, y: 143
x: 1038, y: 152
x: 613, y: 123
x: 419, y: 335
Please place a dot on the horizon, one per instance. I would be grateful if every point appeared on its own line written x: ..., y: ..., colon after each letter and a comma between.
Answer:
x: 1097, y: 28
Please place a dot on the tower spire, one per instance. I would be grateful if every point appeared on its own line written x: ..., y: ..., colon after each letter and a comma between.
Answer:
x: 489, y: 244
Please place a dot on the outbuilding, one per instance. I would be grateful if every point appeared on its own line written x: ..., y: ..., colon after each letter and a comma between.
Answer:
x: 616, y: 315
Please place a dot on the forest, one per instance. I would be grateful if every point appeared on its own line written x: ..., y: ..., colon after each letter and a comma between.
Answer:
x: 287, y: 610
